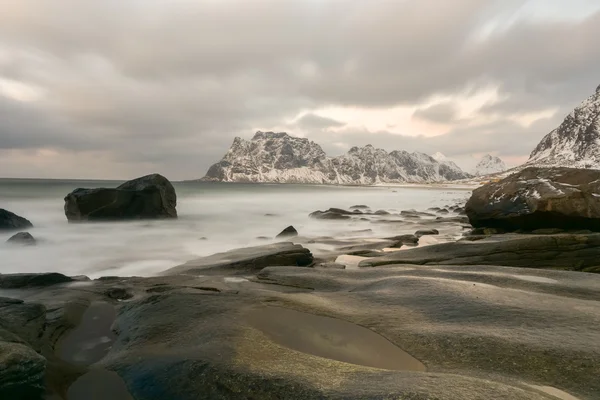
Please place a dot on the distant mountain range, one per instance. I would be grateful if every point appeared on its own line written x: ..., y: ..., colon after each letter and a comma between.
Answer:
x: 281, y: 158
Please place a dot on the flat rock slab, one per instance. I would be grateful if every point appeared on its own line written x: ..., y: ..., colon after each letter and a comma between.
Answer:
x: 247, y: 260
x: 568, y: 252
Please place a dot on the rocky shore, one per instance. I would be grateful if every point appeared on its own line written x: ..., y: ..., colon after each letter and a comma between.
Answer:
x: 481, y: 302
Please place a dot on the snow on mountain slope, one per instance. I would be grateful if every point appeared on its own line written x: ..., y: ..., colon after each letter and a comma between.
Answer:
x: 576, y: 142
x: 281, y: 158
x: 489, y: 165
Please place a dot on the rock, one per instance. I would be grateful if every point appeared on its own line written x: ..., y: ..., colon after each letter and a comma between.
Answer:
x: 539, y: 198
x: 332, y: 213
x: 404, y: 240
x: 330, y: 265
x: 568, y: 252
x: 551, y: 231
x: 22, y: 372
x: 250, y: 259
x: 10, y: 221
x: 290, y: 231
x: 148, y: 197
x: 443, y: 211
x: 360, y: 207
x: 23, y: 238
x: 381, y: 212
x: 486, y: 231
x: 424, y: 232
x: 20, y: 281
x: 413, y: 213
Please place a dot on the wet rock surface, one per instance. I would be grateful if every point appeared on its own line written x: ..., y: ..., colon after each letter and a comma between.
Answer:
x: 148, y: 197
x: 290, y: 231
x: 415, y: 332
x: 22, y: 238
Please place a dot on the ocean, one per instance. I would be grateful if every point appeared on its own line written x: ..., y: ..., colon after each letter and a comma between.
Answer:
x: 213, y: 217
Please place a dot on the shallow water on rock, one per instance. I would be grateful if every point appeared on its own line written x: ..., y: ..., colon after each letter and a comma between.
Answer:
x: 91, y: 340
x: 99, y: 384
x: 331, y: 338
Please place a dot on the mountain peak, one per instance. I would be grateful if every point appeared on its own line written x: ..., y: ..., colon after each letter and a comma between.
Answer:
x: 439, y: 156
x: 269, y: 135
x: 576, y: 142
x: 489, y: 165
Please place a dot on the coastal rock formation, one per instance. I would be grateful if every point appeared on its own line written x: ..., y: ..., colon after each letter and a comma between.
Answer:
x: 148, y: 197
x: 489, y: 165
x: 576, y: 142
x: 247, y: 260
x: 290, y: 231
x: 279, y: 157
x: 23, y: 238
x: 313, y: 333
x: 536, y: 198
x: 573, y: 252
x: 10, y: 221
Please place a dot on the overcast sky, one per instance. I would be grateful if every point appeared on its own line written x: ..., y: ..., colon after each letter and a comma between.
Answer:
x: 118, y: 89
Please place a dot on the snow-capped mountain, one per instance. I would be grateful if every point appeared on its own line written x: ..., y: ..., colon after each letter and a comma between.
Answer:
x: 576, y: 142
x: 439, y: 156
x: 279, y: 157
x: 489, y: 165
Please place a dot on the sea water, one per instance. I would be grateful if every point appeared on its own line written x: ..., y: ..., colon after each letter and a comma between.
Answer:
x: 213, y: 217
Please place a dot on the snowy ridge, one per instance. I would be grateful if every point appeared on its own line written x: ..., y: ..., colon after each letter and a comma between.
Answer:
x: 489, y: 165
x: 281, y: 158
x: 576, y: 142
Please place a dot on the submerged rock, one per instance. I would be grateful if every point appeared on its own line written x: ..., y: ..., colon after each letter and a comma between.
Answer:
x: 11, y: 221
x: 332, y: 213
x: 23, y: 238
x: 425, y: 232
x: 148, y: 197
x: 290, y: 231
x: 539, y: 198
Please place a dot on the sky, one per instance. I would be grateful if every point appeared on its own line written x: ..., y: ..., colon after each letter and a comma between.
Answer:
x: 117, y: 89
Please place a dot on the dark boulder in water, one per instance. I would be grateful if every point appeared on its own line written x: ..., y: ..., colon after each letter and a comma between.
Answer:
x: 425, y: 232
x: 290, y: 231
x: 332, y: 213
x: 148, y: 197
x: 11, y: 221
x: 23, y: 238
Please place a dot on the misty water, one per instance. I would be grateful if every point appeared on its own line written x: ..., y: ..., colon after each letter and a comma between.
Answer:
x: 213, y: 217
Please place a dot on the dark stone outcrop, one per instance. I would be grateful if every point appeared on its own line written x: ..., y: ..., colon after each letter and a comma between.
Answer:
x: 539, y: 198
x: 148, y: 197
x: 567, y: 252
x: 425, y: 232
x: 20, y: 281
x: 290, y: 231
x: 332, y: 213
x: 11, y: 221
x: 23, y: 238
x: 247, y: 260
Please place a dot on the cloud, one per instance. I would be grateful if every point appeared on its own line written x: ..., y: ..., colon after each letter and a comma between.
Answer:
x: 166, y: 85
x: 438, y: 113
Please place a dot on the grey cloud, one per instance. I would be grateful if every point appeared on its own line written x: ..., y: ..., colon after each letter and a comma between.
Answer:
x: 171, y: 83
x: 440, y: 113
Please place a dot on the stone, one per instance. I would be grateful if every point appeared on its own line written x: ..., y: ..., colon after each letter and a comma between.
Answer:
x: 10, y: 221
x: 567, y: 252
x: 424, y: 232
x: 148, y: 197
x: 22, y: 238
x: 32, y: 280
x: 404, y: 240
x: 332, y: 213
x: 245, y: 260
x: 381, y: 212
x: 539, y: 198
x: 22, y: 372
x: 360, y: 207
x: 290, y: 231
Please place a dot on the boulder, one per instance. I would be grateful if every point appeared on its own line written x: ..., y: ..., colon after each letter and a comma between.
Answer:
x: 148, y: 197
x: 567, y: 252
x: 360, y: 206
x: 31, y: 280
x: 10, y: 221
x: 290, y: 231
x: 539, y: 198
x: 22, y: 372
x: 245, y: 260
x: 332, y: 213
x: 425, y: 232
x: 23, y: 238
